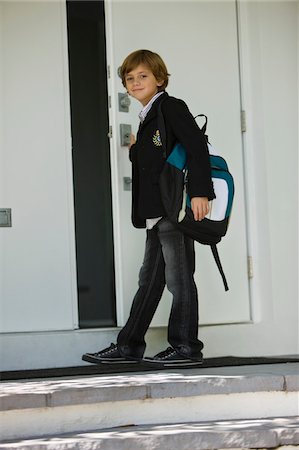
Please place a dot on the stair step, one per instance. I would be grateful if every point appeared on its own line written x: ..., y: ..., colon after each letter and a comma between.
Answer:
x: 242, y: 434
x: 70, y: 405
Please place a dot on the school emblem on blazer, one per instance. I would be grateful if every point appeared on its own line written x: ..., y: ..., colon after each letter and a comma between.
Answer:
x: 157, y: 139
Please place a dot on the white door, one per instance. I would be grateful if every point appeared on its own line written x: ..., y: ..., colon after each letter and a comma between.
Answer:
x: 199, y: 43
x: 37, y: 262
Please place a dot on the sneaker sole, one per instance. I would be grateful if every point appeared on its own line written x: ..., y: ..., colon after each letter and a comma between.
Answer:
x: 94, y: 360
x: 177, y: 363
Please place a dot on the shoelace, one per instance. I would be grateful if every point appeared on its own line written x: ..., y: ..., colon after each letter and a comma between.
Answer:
x: 111, y: 349
x: 169, y: 351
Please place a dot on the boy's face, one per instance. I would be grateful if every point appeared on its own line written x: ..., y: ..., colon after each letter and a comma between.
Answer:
x: 142, y: 84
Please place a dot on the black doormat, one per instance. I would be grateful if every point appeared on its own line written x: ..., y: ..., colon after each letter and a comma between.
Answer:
x: 95, y: 369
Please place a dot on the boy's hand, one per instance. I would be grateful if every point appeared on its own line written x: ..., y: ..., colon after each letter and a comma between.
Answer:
x: 200, y: 207
x: 132, y: 141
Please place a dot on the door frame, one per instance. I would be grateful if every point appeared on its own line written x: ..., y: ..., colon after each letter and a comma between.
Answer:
x: 260, y: 301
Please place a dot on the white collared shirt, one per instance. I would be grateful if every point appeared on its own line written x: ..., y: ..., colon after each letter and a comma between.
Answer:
x: 143, y: 113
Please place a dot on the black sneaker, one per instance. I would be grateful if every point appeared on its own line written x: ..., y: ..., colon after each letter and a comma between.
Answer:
x: 109, y: 355
x: 171, y: 358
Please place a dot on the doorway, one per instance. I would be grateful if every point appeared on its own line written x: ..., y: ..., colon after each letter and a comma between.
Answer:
x: 91, y: 163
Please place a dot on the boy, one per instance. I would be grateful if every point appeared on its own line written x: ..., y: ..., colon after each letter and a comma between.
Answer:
x: 169, y: 254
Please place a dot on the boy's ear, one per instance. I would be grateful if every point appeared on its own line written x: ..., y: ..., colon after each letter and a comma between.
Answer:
x: 160, y: 83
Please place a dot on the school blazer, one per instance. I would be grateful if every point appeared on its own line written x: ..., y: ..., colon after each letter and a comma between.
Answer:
x: 147, y: 158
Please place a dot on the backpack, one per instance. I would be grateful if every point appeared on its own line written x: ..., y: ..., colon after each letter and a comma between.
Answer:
x: 177, y: 204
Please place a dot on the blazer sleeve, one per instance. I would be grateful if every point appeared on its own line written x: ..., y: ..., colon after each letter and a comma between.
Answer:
x: 187, y: 132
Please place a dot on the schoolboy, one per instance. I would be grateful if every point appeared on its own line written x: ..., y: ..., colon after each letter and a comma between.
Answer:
x: 169, y: 254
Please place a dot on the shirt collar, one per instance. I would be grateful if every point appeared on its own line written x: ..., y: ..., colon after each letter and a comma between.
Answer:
x: 143, y: 113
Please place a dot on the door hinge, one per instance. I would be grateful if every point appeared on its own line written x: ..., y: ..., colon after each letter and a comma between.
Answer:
x: 110, y: 132
x: 109, y: 101
x: 250, y: 266
x: 108, y: 72
x: 243, y: 121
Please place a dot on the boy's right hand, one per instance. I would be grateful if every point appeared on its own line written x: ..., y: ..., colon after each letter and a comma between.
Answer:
x: 200, y: 207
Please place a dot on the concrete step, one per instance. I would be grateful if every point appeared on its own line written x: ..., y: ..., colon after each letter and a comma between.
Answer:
x: 82, y: 404
x: 242, y: 434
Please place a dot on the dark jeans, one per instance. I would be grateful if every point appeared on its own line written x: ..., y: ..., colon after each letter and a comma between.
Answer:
x: 169, y: 258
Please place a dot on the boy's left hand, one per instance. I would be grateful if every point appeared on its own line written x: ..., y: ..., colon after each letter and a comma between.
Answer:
x: 200, y: 207
x: 132, y: 140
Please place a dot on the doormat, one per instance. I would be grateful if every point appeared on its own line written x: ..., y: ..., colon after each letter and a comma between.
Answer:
x: 99, y: 369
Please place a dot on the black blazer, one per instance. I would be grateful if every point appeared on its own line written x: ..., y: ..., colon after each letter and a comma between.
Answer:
x: 147, y: 158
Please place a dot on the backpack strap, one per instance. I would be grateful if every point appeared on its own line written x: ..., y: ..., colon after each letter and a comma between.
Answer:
x: 218, y: 262
x: 204, y: 127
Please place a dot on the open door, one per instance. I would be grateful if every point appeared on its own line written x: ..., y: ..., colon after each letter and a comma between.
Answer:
x: 202, y: 58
